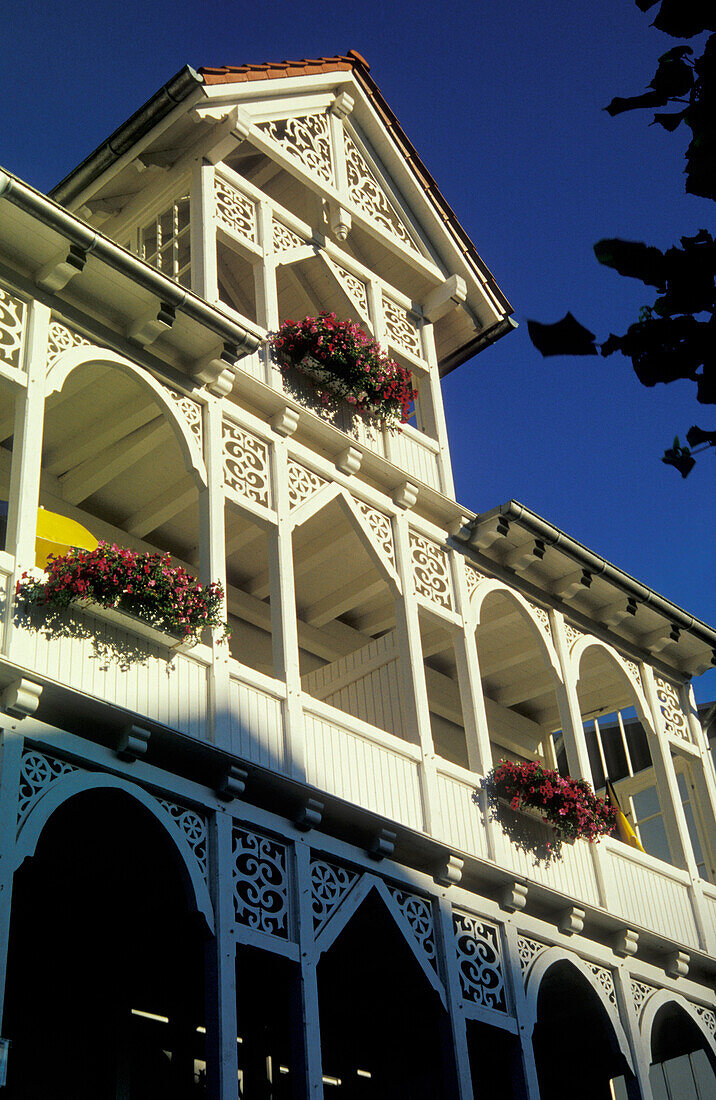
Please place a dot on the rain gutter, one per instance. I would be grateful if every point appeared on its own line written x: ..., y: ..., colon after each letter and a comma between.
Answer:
x: 90, y: 242
x: 592, y: 563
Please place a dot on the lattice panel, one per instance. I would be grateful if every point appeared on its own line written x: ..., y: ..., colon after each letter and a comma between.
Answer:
x: 419, y: 915
x: 572, y: 634
x: 381, y: 529
x: 631, y: 668
x: 191, y: 412
x: 675, y: 722
x: 402, y: 331
x: 247, y: 470
x: 235, y: 210
x: 306, y: 140
x: 329, y: 886
x: 479, y: 959
x: 473, y: 578
x: 302, y: 484
x: 61, y: 339
x: 606, y: 981
x: 37, y: 774
x: 354, y: 287
x: 284, y: 238
x: 431, y: 571
x: 12, y: 328
x: 193, y: 827
x: 707, y: 1017
x: 528, y: 952
x: 368, y: 195
x: 639, y: 993
x: 261, y: 883
x: 543, y: 616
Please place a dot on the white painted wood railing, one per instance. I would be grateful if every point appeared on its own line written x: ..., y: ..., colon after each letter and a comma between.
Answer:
x: 650, y: 893
x: 709, y: 895
x: 462, y: 821
x: 257, y: 718
x: 362, y: 764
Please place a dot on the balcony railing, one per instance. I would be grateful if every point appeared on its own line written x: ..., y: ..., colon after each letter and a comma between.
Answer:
x: 350, y: 759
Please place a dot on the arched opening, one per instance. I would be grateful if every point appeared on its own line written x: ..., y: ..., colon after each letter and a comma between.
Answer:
x: 683, y: 1066
x: 105, y: 994
x: 575, y: 1046
x: 381, y: 1021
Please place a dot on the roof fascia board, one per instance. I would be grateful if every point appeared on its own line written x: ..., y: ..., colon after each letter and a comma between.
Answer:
x: 274, y: 89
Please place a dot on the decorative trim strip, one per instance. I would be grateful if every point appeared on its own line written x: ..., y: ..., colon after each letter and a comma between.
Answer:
x: 479, y: 959
x: 261, y: 881
x: 247, y: 470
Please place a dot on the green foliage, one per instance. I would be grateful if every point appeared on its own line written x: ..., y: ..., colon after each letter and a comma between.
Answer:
x: 675, y: 336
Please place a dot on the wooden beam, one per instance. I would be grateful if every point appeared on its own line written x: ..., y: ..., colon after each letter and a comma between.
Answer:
x: 344, y: 598
x: 523, y: 690
x: 94, y: 473
x: 100, y: 434
x: 309, y: 557
x: 170, y: 502
x: 322, y: 643
x: 304, y: 287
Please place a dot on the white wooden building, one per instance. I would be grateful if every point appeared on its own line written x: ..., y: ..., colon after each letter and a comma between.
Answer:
x: 263, y: 872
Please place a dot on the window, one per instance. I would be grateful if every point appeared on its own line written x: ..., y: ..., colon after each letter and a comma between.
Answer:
x: 164, y: 242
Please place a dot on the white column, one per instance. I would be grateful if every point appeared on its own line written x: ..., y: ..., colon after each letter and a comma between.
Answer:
x: 10, y: 758
x: 570, y: 714
x: 413, y: 673
x: 212, y: 559
x: 204, y: 276
x: 458, y: 1027
x: 221, y: 1023
x: 308, y: 1000
x: 266, y: 290
x: 437, y: 410
x: 477, y: 734
x: 513, y: 976
x: 640, y: 1057
x: 284, y: 627
x: 27, y: 442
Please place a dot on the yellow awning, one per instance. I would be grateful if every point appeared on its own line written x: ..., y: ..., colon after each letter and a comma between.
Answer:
x: 57, y: 535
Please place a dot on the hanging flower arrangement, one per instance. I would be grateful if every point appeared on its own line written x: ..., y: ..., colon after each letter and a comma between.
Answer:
x: 344, y: 362
x: 570, y: 806
x: 146, y: 586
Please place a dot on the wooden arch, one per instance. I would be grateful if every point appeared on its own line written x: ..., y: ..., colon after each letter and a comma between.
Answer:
x: 490, y: 585
x: 79, y: 782
x: 70, y: 360
x: 656, y: 1001
x: 544, y: 962
x: 585, y: 643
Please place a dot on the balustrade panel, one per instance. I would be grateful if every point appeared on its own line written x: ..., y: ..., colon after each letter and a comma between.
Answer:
x: 257, y: 725
x: 655, y: 897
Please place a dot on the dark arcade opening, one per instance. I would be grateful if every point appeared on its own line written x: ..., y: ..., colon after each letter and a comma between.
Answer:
x: 105, y: 991
x: 575, y: 1046
x: 495, y: 1062
x: 683, y: 1067
x: 384, y: 1031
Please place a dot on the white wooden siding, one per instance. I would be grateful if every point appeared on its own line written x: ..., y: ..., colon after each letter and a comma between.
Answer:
x: 657, y: 898
x: 461, y: 817
x: 375, y: 696
x: 257, y: 726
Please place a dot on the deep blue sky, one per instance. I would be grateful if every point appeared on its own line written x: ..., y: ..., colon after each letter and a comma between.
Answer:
x: 504, y: 103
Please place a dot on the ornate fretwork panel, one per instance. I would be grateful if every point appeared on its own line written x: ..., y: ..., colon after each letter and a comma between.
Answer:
x: 284, y: 238
x: 61, y: 339
x: 473, y: 578
x: 193, y: 828
x: 247, y: 469
x: 261, y: 883
x: 675, y: 722
x: 302, y: 484
x: 632, y: 669
x: 12, y: 327
x: 606, y: 981
x: 528, y: 952
x: 368, y: 195
x: 381, y: 528
x: 37, y: 773
x: 306, y: 140
x: 401, y: 330
x: 235, y: 210
x: 431, y: 570
x: 543, y: 615
x: 191, y: 411
x: 419, y: 915
x: 329, y: 885
x: 479, y: 958
x: 639, y: 993
x: 707, y: 1017
x: 354, y: 287
x: 572, y: 634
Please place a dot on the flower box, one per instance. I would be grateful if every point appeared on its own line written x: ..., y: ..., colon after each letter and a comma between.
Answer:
x: 125, y: 620
x: 570, y: 806
x: 535, y: 814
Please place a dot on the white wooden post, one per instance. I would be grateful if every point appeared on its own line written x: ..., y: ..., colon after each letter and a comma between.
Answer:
x: 27, y: 442
x: 437, y: 411
x: 413, y: 673
x: 266, y: 290
x: 308, y: 1000
x: 458, y: 1027
x: 477, y: 734
x: 513, y: 976
x: 221, y: 1021
x: 10, y: 758
x: 640, y: 1057
x: 570, y: 715
x: 204, y: 275
x: 284, y: 627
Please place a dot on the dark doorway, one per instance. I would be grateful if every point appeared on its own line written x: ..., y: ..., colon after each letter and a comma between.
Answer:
x: 384, y: 1031
x: 105, y: 986
x: 575, y: 1047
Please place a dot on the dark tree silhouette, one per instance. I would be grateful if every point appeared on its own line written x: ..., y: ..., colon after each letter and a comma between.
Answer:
x: 675, y: 337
